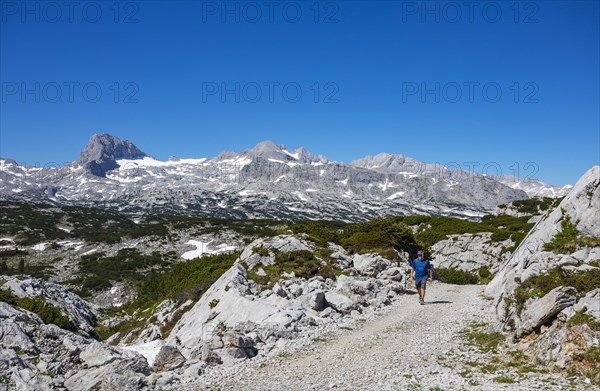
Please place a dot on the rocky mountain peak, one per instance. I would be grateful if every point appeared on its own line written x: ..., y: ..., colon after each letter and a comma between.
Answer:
x: 386, y: 162
x: 102, y: 151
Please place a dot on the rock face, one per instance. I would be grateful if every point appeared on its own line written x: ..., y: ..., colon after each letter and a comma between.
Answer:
x: 582, y: 204
x: 82, y: 314
x: 36, y: 356
x: 102, y: 151
x: 468, y: 252
x: 541, y: 324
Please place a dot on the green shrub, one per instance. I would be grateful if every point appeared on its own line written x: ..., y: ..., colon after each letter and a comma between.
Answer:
x: 128, y: 265
x: 262, y: 251
x: 533, y: 205
x: 500, y: 236
x: 321, y: 232
x: 380, y: 236
x: 485, y: 275
x: 37, y: 304
x: 415, y: 220
x: 565, y: 241
x: 540, y: 285
x: 185, y: 280
x: 456, y: 276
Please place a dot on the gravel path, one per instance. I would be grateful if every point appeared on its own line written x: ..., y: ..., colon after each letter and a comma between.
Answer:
x: 405, y: 347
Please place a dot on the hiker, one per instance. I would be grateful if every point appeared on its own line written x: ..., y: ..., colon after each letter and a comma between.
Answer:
x: 421, y: 272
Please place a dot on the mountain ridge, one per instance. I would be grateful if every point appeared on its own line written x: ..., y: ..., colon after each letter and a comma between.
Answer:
x: 267, y: 180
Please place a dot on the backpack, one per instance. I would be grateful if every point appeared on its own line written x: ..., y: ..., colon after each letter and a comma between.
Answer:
x: 425, y: 265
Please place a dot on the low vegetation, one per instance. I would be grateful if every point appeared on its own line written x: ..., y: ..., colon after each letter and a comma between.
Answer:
x: 184, y: 281
x: 302, y: 263
x: 536, y: 205
x: 460, y: 277
x: 483, y: 341
x: 568, y: 240
x: 37, y: 304
x: 540, y: 285
x: 581, y: 318
x: 98, y: 272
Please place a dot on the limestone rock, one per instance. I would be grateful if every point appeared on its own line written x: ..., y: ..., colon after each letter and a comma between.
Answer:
x: 168, y: 358
x: 539, y: 311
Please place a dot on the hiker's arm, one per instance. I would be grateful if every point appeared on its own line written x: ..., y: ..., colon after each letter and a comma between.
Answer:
x: 412, y: 273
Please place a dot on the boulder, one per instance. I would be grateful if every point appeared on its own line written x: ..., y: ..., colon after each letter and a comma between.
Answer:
x: 314, y: 300
x: 168, y: 358
x: 237, y: 340
x: 209, y: 356
x: 590, y: 304
x: 370, y: 264
x: 393, y: 274
x: 539, y: 311
x: 339, y: 302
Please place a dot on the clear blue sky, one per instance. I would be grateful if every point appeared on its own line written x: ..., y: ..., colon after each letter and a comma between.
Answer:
x: 376, y: 57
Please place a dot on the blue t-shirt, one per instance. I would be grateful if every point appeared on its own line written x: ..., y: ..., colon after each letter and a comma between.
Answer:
x: 421, y: 268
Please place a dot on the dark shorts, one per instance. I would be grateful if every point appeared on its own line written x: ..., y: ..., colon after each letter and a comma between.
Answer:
x: 421, y: 283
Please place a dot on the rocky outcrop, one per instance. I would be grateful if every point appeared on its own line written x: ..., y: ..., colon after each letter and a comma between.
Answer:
x: 582, y: 204
x: 469, y: 252
x: 238, y: 319
x: 36, y: 356
x: 539, y: 311
x: 541, y: 325
x: 82, y: 315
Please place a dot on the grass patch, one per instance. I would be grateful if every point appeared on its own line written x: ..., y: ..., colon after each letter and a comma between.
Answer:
x: 504, y: 379
x: 262, y: 251
x: 484, y: 342
x: 581, y: 318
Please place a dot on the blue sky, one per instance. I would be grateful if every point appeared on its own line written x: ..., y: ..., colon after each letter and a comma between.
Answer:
x: 503, y: 82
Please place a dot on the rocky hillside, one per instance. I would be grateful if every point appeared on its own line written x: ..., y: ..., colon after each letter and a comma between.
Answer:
x: 547, y: 293
x: 267, y: 181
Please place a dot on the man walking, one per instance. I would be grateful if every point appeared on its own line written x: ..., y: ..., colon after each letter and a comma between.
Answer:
x: 421, y: 273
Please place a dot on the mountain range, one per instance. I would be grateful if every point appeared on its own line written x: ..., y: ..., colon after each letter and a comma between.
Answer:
x: 266, y: 181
